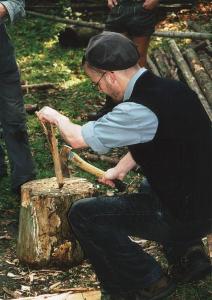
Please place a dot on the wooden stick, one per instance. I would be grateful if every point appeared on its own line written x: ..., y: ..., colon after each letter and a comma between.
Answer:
x: 38, y: 86
x: 52, y: 141
x: 56, y: 158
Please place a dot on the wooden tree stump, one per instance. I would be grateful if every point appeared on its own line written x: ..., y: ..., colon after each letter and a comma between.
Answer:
x: 44, y: 236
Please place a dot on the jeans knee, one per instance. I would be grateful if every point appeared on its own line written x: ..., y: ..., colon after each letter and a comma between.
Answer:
x: 79, y: 213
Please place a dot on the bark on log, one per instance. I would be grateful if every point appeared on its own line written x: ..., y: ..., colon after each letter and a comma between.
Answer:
x: 152, y: 66
x: 206, y: 61
x: 38, y: 86
x: 209, y: 241
x: 188, y: 75
x: 95, y: 25
x: 92, y: 295
x: 200, y: 74
x: 172, y: 66
x: 44, y: 234
x: 162, y: 63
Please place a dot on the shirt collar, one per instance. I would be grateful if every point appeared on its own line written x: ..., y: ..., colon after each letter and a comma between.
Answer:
x: 132, y: 82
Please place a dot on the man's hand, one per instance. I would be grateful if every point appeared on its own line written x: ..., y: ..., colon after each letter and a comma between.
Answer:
x: 3, y: 11
x: 48, y: 114
x: 112, y: 3
x: 150, y: 4
x: 126, y: 164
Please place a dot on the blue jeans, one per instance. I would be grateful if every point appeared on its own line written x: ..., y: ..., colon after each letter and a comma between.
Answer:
x: 103, y: 226
x: 12, y: 116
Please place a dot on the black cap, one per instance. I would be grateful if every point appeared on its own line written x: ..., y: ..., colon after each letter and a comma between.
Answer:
x: 111, y: 51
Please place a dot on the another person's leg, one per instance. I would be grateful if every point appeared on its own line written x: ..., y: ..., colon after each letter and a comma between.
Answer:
x: 3, y: 167
x: 132, y: 20
x: 142, y: 43
x: 13, y: 118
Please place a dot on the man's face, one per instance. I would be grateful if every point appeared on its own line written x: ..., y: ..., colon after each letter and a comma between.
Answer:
x: 106, y: 82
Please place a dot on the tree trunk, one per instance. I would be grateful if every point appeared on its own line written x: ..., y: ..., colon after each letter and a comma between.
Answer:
x: 44, y: 236
x: 172, y: 66
x: 206, y: 61
x: 162, y: 63
x: 152, y: 66
x: 200, y: 74
x: 188, y: 75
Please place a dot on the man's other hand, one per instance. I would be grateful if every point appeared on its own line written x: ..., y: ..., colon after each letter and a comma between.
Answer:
x: 112, y: 3
x: 150, y: 4
x: 3, y: 11
x: 110, y: 175
x: 48, y: 114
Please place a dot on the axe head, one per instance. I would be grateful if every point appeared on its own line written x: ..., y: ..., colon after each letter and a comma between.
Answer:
x: 64, y: 156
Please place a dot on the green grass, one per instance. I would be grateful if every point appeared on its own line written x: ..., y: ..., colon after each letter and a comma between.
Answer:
x: 42, y: 60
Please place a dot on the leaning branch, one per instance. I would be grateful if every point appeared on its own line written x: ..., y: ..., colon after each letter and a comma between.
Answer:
x: 95, y: 25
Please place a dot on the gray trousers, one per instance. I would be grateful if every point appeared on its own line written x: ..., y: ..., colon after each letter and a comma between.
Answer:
x: 12, y: 116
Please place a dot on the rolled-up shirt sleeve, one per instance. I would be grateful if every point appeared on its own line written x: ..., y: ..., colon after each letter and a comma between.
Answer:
x: 15, y: 9
x: 129, y: 123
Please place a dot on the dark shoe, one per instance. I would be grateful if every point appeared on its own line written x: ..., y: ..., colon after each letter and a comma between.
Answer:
x: 159, y: 290
x: 108, y: 107
x: 193, y: 266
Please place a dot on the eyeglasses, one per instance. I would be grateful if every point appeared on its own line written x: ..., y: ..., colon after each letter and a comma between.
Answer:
x: 96, y: 84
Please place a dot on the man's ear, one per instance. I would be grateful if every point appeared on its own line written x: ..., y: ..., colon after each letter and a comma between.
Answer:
x: 111, y: 77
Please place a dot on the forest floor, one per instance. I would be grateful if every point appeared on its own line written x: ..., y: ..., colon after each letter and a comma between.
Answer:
x: 41, y: 59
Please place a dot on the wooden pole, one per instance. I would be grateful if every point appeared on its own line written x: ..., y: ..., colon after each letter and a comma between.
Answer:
x: 188, y: 75
x: 200, y: 74
x: 152, y: 66
x: 162, y: 63
x: 206, y: 61
x: 170, y: 34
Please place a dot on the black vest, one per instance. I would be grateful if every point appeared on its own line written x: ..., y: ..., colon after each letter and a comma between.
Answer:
x: 178, y: 161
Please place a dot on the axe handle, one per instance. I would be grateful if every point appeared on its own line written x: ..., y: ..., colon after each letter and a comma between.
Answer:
x: 86, y: 166
x: 120, y: 185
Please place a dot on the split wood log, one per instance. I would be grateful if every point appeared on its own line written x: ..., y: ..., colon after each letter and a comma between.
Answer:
x: 38, y: 86
x: 96, y: 25
x: 188, y: 75
x: 49, y: 131
x: 200, y: 74
x: 91, y: 295
x: 206, y: 61
x: 162, y: 63
x: 152, y: 66
x: 44, y: 234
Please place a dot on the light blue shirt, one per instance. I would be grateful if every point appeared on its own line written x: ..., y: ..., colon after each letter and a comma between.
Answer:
x: 15, y: 9
x: 127, y: 124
